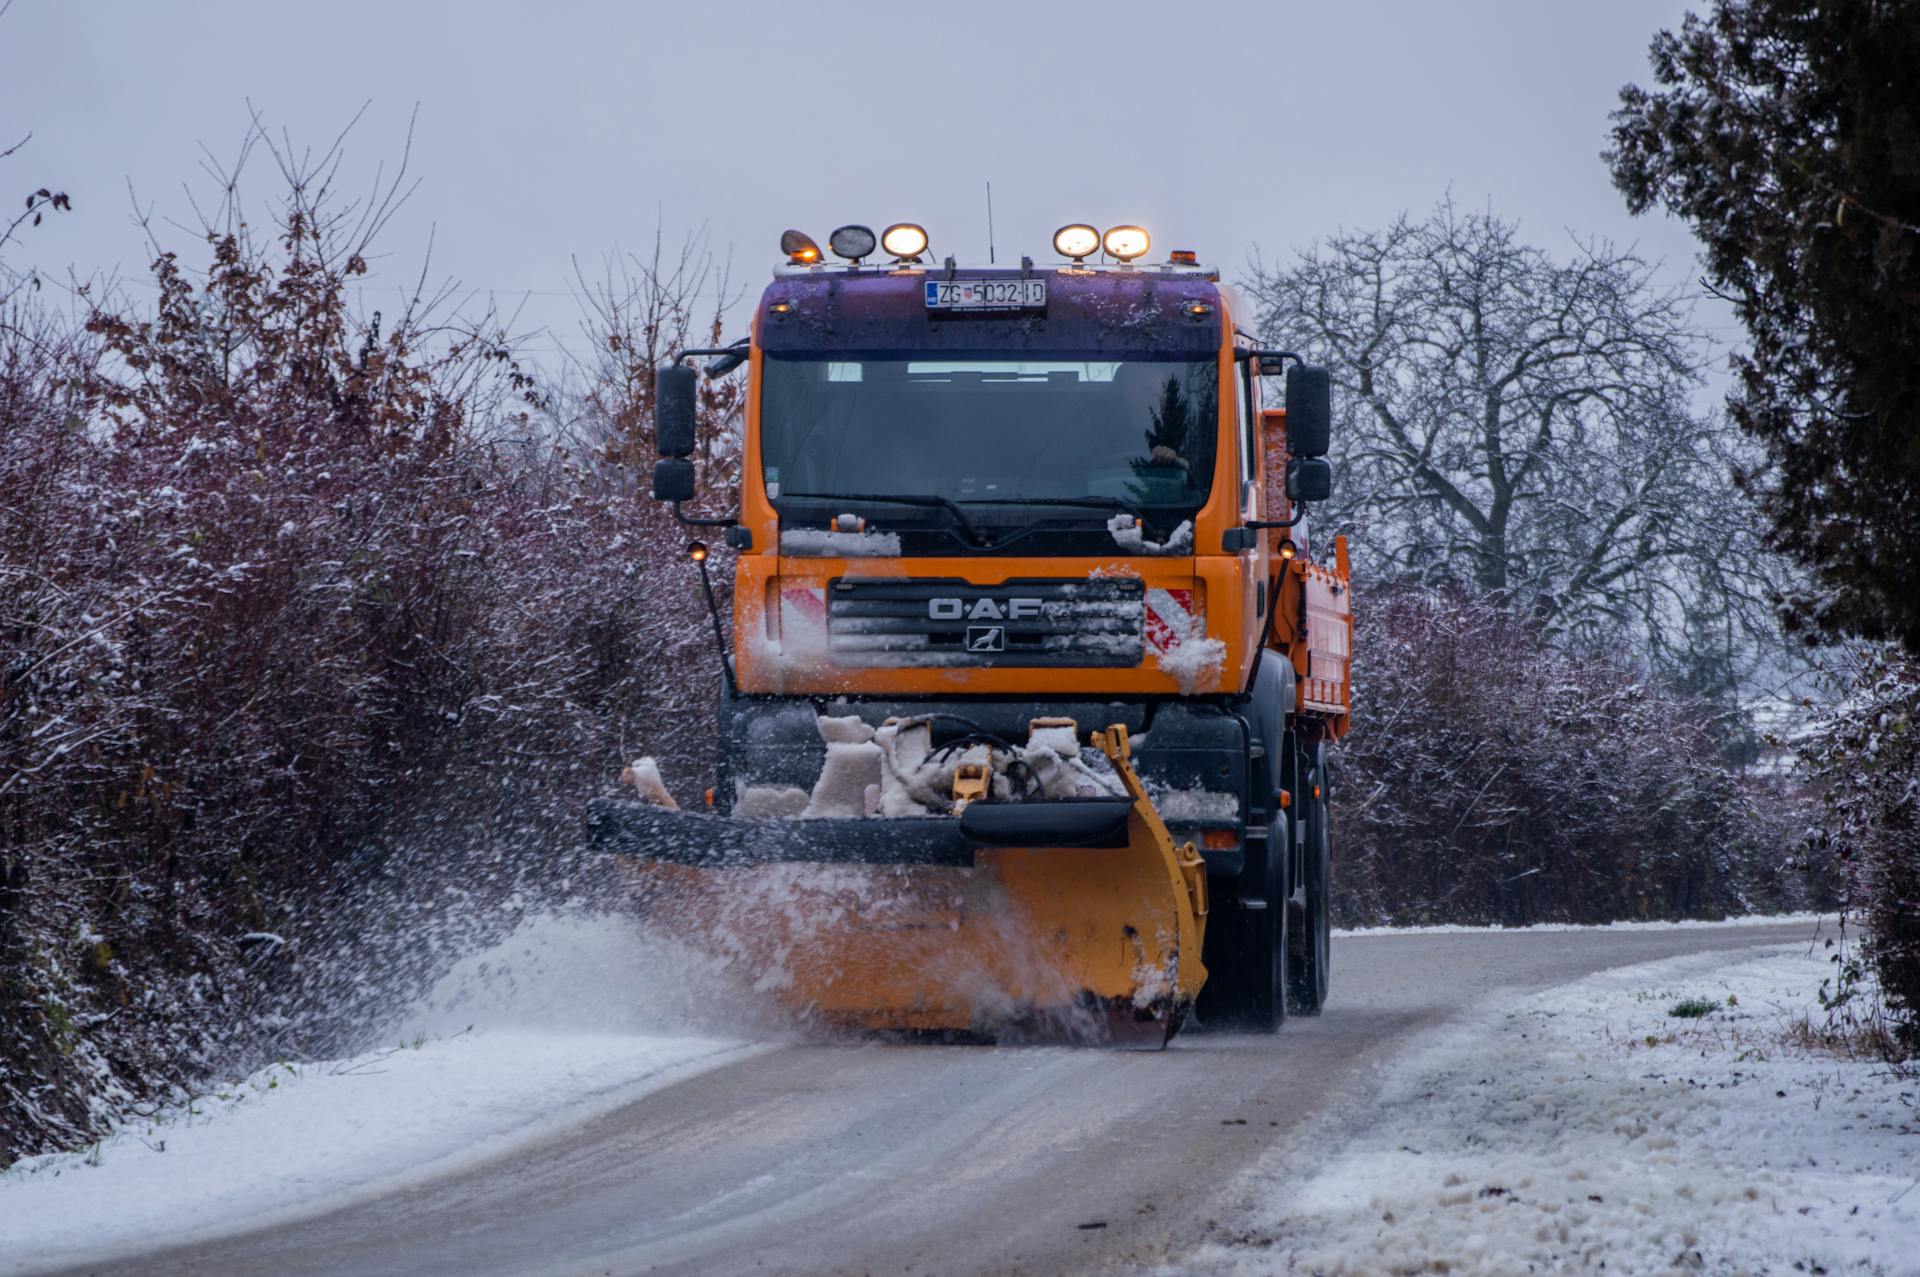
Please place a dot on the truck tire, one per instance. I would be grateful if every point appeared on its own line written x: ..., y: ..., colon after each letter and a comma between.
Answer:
x: 1246, y: 953
x: 1312, y: 944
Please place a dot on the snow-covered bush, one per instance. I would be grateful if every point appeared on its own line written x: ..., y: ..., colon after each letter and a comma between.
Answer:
x: 312, y: 654
x: 1865, y: 751
x: 1495, y: 777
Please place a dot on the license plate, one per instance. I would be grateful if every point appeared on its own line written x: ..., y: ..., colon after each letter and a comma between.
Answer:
x: 986, y: 294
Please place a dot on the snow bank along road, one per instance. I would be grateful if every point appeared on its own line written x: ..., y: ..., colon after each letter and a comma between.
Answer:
x: 864, y: 1157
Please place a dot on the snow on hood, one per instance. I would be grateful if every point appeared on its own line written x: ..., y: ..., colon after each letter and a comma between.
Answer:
x: 820, y: 543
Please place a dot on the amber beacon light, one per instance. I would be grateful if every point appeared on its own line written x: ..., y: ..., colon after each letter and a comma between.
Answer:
x: 799, y: 248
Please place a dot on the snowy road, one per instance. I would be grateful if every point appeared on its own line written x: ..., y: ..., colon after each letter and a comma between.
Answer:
x: 863, y: 1158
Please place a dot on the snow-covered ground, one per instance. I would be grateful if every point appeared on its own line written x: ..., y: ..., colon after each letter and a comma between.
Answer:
x: 1589, y: 1129
x: 565, y: 1019
x: 1451, y: 928
x: 1583, y: 1129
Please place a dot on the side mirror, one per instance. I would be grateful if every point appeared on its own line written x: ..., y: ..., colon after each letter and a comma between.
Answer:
x: 673, y: 411
x: 1309, y: 478
x: 672, y: 480
x: 1309, y: 411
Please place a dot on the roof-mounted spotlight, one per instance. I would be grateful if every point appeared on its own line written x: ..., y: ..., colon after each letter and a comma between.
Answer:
x: 852, y: 242
x: 799, y: 248
x: 1078, y: 241
x: 1124, y: 243
x: 905, y: 240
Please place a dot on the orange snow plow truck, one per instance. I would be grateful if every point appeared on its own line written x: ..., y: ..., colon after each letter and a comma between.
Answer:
x: 1034, y: 665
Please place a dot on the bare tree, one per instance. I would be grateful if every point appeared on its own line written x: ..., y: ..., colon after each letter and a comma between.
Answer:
x: 37, y: 205
x: 1525, y: 427
x: 636, y: 315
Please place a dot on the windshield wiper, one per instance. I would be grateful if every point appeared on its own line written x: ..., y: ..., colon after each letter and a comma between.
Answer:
x: 1092, y: 503
x: 948, y: 504
x: 1116, y: 504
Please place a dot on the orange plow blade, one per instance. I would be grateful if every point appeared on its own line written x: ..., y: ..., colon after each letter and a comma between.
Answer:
x: 1095, y: 938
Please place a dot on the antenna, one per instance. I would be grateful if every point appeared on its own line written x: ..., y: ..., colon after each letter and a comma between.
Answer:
x: 989, y: 223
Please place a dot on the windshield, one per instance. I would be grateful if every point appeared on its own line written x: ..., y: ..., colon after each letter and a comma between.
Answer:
x: 1052, y: 432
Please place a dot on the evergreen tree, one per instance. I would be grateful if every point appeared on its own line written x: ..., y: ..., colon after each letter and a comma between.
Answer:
x: 1787, y: 132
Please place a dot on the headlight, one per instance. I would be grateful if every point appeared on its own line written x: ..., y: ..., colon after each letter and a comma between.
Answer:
x: 851, y: 242
x: 904, y: 240
x: 1078, y: 241
x: 1124, y: 243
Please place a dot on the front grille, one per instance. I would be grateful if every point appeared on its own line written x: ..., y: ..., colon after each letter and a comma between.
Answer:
x: 952, y: 623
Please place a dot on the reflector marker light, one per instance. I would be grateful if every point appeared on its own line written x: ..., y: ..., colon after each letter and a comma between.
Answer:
x: 697, y: 551
x: 1124, y: 243
x: 1183, y: 257
x: 1077, y: 240
x: 1288, y: 550
x: 905, y: 240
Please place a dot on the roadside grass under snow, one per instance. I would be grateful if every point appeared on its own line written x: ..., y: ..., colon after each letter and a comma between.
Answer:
x: 566, y: 1018
x: 1667, y: 1118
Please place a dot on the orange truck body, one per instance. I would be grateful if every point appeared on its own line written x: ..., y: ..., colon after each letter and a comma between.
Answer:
x: 1311, y: 624
x: 1223, y: 650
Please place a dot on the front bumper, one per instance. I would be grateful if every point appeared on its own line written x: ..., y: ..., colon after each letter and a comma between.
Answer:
x: 1193, y: 755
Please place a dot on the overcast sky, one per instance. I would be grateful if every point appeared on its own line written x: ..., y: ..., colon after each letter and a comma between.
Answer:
x: 568, y: 127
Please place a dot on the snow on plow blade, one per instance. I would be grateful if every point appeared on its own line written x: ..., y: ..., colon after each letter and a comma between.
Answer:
x: 1075, y: 918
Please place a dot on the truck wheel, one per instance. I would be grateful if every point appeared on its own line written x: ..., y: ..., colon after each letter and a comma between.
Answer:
x: 1312, y: 939
x: 1246, y: 952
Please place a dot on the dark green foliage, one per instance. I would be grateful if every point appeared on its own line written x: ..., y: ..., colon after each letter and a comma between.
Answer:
x: 1787, y: 132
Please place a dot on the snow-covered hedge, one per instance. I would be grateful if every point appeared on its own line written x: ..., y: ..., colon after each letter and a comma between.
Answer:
x: 306, y: 676
x: 1495, y: 777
